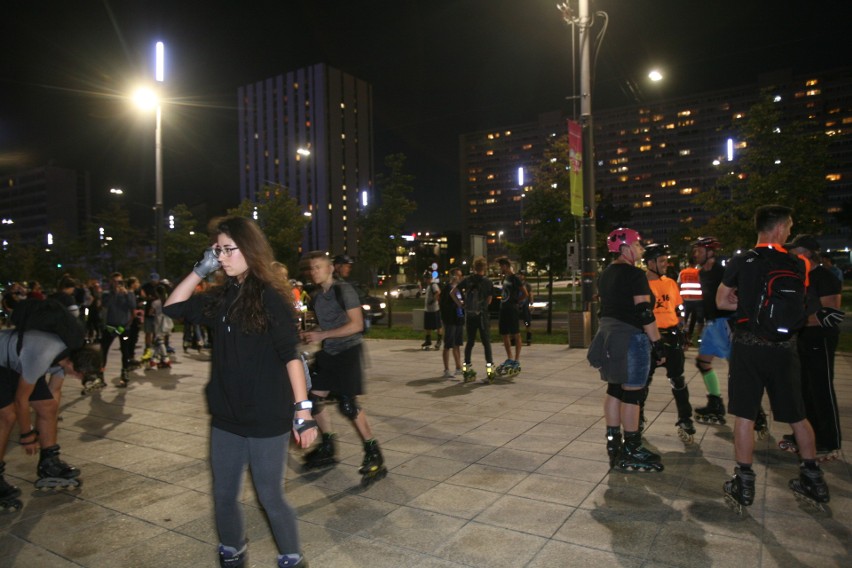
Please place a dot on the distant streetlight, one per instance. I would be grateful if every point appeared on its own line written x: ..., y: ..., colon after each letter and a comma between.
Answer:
x: 655, y: 75
x: 116, y: 191
x: 148, y: 99
x: 303, y: 152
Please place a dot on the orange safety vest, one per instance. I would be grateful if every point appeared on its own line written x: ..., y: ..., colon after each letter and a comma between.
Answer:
x: 690, y: 284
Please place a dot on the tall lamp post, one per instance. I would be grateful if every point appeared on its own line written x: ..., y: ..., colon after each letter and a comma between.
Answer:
x: 147, y: 99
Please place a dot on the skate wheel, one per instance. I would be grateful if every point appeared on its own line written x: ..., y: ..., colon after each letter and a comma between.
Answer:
x: 685, y: 436
x: 734, y: 504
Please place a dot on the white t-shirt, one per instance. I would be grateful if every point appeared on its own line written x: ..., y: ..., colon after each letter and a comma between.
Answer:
x: 38, y: 351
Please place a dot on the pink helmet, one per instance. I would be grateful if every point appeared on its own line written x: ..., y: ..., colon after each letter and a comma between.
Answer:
x: 621, y: 236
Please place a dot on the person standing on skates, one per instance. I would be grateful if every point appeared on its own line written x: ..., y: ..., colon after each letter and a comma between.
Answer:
x: 452, y: 317
x: 816, y: 345
x: 763, y: 352
x: 668, y: 313
x: 477, y: 290
x: 257, y: 394
x: 716, y: 335
x: 622, y: 348
x: 513, y: 294
x: 432, y: 313
x: 339, y: 366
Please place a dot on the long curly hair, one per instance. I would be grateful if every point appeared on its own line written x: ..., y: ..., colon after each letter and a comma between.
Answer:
x: 247, y: 310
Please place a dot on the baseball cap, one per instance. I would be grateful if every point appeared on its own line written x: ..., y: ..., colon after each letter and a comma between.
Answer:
x: 342, y: 259
x: 803, y: 241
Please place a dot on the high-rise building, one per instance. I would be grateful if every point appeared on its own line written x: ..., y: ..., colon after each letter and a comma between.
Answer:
x: 654, y: 158
x: 42, y: 204
x: 310, y: 131
x: 494, y: 170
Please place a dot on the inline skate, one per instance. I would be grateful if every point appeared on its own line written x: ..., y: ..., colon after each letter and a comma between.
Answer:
x: 53, y: 472
x: 322, y: 455
x: 713, y: 413
x: 92, y: 384
x: 761, y: 425
x: 810, y: 488
x: 426, y: 345
x: 635, y: 457
x: 685, y: 430
x: 438, y: 344
x: 468, y: 373
x: 147, y: 355
x: 509, y: 368
x: 8, y: 493
x: 739, y: 490
x: 613, y: 444
x: 788, y: 444
x: 230, y: 557
x: 372, y: 468
x: 123, y: 379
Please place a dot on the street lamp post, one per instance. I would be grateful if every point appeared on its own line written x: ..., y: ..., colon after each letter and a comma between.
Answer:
x: 158, y: 148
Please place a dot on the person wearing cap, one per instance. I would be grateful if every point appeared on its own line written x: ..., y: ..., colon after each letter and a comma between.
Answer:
x: 816, y: 345
x: 626, y: 340
x: 342, y: 269
x: 668, y: 312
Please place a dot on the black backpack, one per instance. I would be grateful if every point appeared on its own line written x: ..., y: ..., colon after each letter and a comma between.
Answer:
x: 473, y: 297
x: 49, y: 316
x: 780, y: 308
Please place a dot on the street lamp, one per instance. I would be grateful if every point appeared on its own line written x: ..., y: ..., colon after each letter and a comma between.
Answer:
x: 147, y: 99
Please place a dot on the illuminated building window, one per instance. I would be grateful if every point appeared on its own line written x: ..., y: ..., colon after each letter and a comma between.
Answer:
x: 685, y: 152
x: 670, y: 126
x: 527, y: 146
x: 658, y: 117
x: 831, y: 132
x: 490, y: 176
x: 813, y: 92
x: 490, y: 201
x: 811, y: 82
x: 685, y: 113
x: 623, y: 178
x: 741, y: 145
x: 489, y: 153
x: 491, y: 137
x: 833, y: 177
x: 688, y: 191
x: 620, y: 151
x: 668, y: 183
x: 846, y: 120
x: 739, y: 115
x: 471, y: 178
x: 834, y: 210
x: 644, y: 148
x: 508, y: 133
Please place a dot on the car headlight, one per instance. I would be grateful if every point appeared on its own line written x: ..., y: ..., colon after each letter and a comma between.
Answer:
x: 366, y: 307
x: 382, y: 305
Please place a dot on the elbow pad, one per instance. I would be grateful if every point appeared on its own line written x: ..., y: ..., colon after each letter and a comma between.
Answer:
x: 645, y: 313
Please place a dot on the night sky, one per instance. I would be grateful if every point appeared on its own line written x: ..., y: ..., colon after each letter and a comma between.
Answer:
x: 438, y: 68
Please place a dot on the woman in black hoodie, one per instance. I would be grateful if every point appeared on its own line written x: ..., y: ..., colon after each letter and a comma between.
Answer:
x: 257, y: 392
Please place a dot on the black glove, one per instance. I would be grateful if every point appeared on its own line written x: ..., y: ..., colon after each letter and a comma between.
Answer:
x: 829, y: 317
x: 300, y: 424
x: 658, y: 350
x: 208, y: 264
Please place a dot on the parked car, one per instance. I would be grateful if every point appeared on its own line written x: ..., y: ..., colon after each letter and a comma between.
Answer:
x: 405, y: 291
x: 374, y: 309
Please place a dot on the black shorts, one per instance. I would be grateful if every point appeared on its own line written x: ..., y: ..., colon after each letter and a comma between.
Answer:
x: 431, y: 320
x: 9, y: 385
x: 453, y: 336
x: 508, y: 322
x: 755, y: 367
x: 340, y: 374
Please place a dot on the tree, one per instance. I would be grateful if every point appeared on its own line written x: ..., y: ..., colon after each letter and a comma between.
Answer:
x: 281, y: 219
x: 777, y: 165
x: 183, y: 244
x: 385, y: 219
x: 115, y: 245
x: 547, y: 214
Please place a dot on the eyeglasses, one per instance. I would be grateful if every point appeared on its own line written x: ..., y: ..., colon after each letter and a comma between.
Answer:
x: 227, y: 251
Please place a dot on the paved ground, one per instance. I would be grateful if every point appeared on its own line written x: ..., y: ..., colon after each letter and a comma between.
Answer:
x: 506, y: 475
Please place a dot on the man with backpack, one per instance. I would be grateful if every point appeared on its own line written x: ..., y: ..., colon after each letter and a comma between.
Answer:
x: 765, y: 286
x: 47, y: 342
x: 477, y: 291
x: 452, y: 317
x: 513, y: 294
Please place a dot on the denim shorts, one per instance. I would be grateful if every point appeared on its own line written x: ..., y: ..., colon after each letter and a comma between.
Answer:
x: 638, y: 361
x: 716, y: 339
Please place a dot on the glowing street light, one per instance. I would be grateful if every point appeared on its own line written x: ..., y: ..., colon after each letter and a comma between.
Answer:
x: 655, y: 75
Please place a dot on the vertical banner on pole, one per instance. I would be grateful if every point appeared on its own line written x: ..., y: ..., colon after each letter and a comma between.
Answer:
x: 575, y: 158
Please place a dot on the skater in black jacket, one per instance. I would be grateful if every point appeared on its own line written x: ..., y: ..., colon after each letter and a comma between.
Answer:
x: 257, y: 393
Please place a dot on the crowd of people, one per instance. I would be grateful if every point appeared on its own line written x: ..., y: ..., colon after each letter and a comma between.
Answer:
x: 239, y: 302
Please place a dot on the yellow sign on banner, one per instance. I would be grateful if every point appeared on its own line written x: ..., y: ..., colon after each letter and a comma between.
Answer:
x: 575, y: 159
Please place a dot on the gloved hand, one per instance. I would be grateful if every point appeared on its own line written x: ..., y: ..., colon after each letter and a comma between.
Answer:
x: 829, y: 317
x: 658, y: 350
x: 207, y: 265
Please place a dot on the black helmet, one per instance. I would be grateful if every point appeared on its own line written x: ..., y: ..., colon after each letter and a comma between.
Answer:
x: 654, y: 251
x: 707, y: 242
x: 342, y: 259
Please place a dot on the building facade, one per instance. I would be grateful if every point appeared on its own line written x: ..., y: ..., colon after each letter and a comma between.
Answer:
x: 310, y: 131
x: 653, y: 159
x: 43, y: 204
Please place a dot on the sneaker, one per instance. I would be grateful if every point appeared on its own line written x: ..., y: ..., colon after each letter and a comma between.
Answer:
x: 459, y: 373
x: 447, y: 374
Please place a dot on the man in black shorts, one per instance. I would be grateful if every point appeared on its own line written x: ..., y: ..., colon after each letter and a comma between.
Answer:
x: 513, y: 294
x: 759, y: 364
x: 339, y: 372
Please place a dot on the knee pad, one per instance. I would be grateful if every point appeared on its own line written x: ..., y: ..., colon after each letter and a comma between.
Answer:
x: 677, y: 383
x: 632, y: 396
x: 349, y: 407
x: 615, y: 391
x: 318, y: 402
x: 703, y: 365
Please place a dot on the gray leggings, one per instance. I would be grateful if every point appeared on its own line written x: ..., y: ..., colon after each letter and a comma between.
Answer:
x: 267, y: 457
